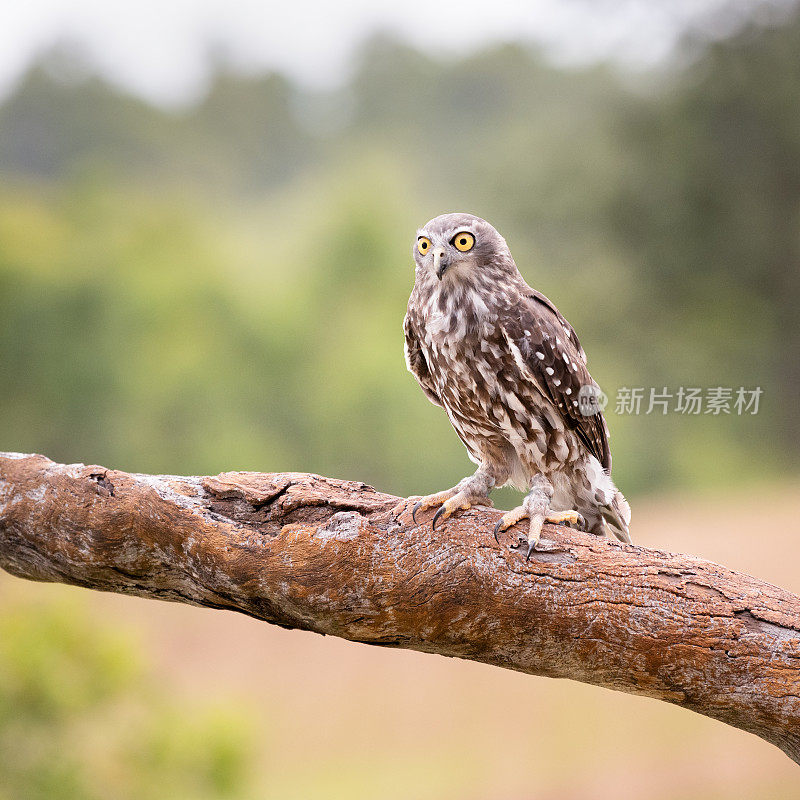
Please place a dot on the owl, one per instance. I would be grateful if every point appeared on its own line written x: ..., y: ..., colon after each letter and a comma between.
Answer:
x: 511, y: 375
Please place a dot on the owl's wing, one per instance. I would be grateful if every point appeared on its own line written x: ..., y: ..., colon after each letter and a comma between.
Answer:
x: 541, y: 299
x: 549, y: 350
x: 415, y: 360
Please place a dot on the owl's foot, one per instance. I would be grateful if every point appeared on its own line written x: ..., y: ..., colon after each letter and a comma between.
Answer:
x: 432, y: 500
x: 536, y: 509
x: 470, y: 492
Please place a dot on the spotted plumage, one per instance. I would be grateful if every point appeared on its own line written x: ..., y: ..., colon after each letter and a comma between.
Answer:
x: 511, y: 375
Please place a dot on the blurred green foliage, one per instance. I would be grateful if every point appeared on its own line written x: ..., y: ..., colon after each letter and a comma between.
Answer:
x: 222, y: 286
x: 82, y: 719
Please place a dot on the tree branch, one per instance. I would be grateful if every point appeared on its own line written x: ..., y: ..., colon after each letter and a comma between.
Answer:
x: 340, y: 558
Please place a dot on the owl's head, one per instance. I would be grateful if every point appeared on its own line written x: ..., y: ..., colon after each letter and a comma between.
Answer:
x: 459, y: 245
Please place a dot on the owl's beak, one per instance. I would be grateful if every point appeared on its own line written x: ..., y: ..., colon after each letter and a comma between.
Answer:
x: 441, y: 261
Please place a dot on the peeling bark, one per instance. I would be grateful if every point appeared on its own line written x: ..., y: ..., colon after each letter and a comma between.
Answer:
x: 340, y: 558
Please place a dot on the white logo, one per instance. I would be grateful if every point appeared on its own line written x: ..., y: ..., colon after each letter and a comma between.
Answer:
x: 591, y: 400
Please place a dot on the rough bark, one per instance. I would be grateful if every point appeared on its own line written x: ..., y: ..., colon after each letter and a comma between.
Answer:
x: 340, y: 558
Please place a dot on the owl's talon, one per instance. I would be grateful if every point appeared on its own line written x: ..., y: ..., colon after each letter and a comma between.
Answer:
x: 508, y: 520
x: 497, y: 530
x: 460, y: 501
x: 534, y: 532
x: 442, y: 510
x: 566, y: 518
x: 431, y: 500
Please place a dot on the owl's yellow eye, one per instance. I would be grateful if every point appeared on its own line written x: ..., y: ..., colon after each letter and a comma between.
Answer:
x: 423, y: 245
x: 464, y: 241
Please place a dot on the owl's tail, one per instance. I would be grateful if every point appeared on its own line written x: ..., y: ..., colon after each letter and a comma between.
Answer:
x: 617, y: 515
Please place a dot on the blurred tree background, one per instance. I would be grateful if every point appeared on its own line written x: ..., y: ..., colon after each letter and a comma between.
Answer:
x: 221, y: 286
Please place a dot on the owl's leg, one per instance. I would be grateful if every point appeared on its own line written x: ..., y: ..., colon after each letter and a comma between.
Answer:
x: 536, y: 508
x: 465, y: 494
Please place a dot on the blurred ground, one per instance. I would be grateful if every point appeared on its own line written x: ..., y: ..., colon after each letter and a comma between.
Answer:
x: 340, y: 720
